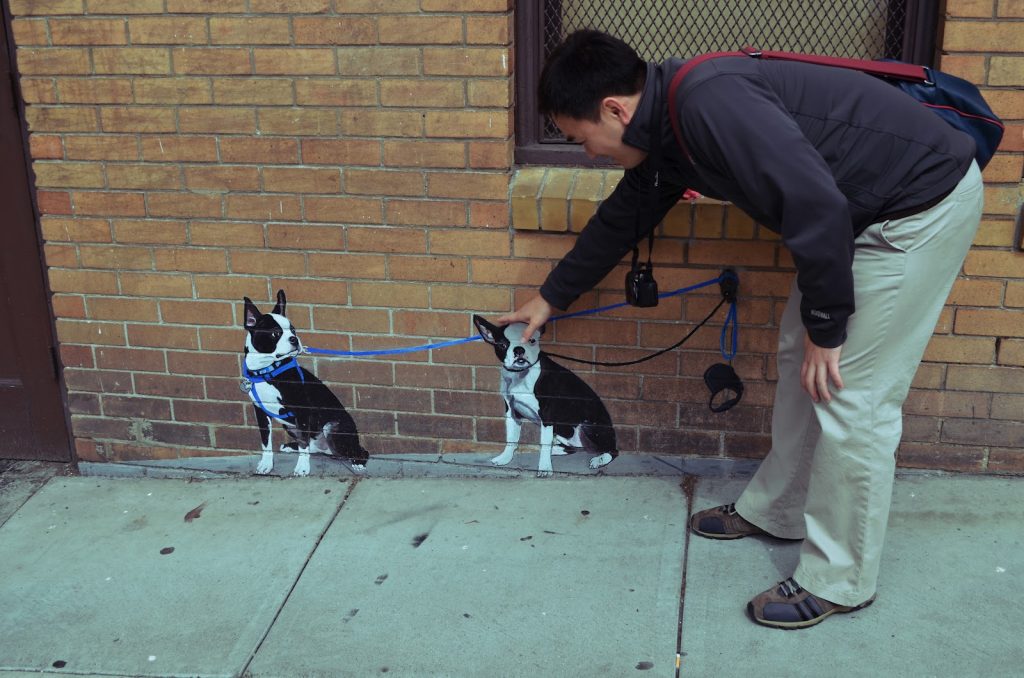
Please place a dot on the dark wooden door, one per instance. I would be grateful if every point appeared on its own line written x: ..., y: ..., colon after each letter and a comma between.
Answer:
x: 32, y: 422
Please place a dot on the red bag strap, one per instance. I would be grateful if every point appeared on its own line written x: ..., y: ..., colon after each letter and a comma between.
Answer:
x: 889, y: 69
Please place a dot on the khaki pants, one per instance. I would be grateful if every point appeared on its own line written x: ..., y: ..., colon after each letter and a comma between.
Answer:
x: 828, y: 478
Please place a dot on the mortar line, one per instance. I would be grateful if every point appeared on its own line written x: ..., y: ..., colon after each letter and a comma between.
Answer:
x: 298, y: 577
x: 689, y: 486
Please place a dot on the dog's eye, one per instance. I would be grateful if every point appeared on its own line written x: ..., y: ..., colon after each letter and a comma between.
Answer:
x: 532, y: 342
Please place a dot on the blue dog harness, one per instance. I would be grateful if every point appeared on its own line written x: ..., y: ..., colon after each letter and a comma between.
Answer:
x: 252, y: 377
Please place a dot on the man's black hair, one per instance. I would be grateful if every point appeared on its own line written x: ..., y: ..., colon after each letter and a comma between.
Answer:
x: 587, y: 67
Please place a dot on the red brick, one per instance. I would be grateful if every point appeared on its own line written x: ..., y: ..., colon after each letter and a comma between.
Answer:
x: 263, y: 150
x: 340, y: 152
x: 299, y: 121
x: 168, y: 31
x: 217, y: 120
x: 343, y: 210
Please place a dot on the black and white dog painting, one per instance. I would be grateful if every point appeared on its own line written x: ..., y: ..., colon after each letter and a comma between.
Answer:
x: 282, y: 389
x: 539, y: 390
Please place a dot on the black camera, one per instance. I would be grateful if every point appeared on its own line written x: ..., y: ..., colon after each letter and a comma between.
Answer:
x: 641, y: 287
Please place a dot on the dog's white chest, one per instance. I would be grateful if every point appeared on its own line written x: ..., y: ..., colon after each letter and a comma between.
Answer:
x: 518, y: 389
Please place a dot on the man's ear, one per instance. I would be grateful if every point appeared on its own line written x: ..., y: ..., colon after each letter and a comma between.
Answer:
x: 618, y: 108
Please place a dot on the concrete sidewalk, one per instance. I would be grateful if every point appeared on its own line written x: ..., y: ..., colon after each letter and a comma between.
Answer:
x: 449, y: 568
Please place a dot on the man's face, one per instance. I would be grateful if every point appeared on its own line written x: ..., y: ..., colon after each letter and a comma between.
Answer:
x: 604, y: 137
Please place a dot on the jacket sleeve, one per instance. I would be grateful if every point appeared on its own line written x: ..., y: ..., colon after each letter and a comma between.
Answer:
x: 736, y: 126
x: 610, y: 234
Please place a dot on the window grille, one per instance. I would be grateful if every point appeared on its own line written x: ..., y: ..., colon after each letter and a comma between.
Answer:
x: 659, y: 29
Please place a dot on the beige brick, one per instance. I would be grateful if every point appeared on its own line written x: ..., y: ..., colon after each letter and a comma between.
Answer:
x: 961, y: 350
x: 994, y: 263
x: 466, y: 6
x: 178, y: 148
x: 292, y: 6
x: 263, y: 150
x: 554, y: 200
x: 492, y: 93
x: 387, y: 239
x: 133, y: 60
x: 186, y: 205
x: 434, y: 93
x: 335, y: 31
x: 1011, y: 352
x: 425, y: 213
x: 384, y: 123
x: 225, y: 234
x: 53, y: 61
x: 126, y: 6
x: 249, y: 31
x: 301, y: 180
x: 143, y: 176
x: 970, y: 8
x: 424, y: 154
x: 191, y: 260
x: 142, y: 119
x: 586, y: 195
x: 68, y: 174
x: 420, y: 30
x: 205, y: 6
x: 305, y: 237
x: 457, y: 241
x: 348, y: 266
x: 29, y: 32
x: 168, y: 31
x: 222, y: 178
x: 343, y: 210
x: 480, y: 61
x: 302, y: 121
x: 46, y: 7
x: 478, y: 185
x: 1011, y: 8
x: 264, y: 207
x: 378, y: 61
x: 211, y: 61
x: 268, y: 263
x: 981, y: 36
x: 38, y: 91
x: 265, y: 91
x: 222, y: 120
x: 180, y: 90
x: 469, y: 298
x: 156, y: 285
x: 525, y: 198
x: 152, y: 231
x: 83, y: 282
x: 489, y: 30
x: 1006, y: 71
x: 469, y: 124
x: 88, y: 32
x: 491, y: 154
x: 334, y: 92
x: 109, y: 203
x: 1015, y: 294
x: 56, y: 229
x: 985, y: 379
x: 384, y: 182
x: 1004, y: 323
x: 293, y: 61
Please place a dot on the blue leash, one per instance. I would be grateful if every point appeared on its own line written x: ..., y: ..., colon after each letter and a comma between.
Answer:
x: 727, y: 276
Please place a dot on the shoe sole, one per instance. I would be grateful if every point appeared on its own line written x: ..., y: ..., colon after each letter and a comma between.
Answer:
x: 723, y: 537
x: 792, y: 626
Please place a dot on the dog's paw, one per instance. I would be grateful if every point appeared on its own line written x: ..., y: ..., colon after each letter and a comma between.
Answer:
x: 358, y: 468
x: 544, y: 473
x: 600, y: 460
x: 266, y: 464
x: 301, y: 467
x: 502, y: 459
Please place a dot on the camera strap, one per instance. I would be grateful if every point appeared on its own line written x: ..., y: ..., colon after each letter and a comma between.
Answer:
x: 648, y: 204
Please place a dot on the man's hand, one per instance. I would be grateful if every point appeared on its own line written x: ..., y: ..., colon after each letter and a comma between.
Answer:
x: 820, y: 365
x: 534, y: 313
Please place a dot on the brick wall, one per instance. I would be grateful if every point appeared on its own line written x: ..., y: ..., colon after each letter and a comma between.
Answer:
x: 358, y: 155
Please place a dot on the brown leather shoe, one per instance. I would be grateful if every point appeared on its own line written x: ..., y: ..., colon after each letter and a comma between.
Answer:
x: 722, y: 522
x: 788, y: 606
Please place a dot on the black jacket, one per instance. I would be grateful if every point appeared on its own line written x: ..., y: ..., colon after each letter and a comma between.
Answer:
x: 816, y: 154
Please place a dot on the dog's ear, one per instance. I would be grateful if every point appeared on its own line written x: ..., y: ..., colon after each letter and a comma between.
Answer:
x: 281, y: 303
x: 488, y: 331
x: 252, y: 314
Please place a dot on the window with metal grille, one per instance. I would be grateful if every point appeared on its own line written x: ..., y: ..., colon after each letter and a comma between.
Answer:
x: 659, y: 29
